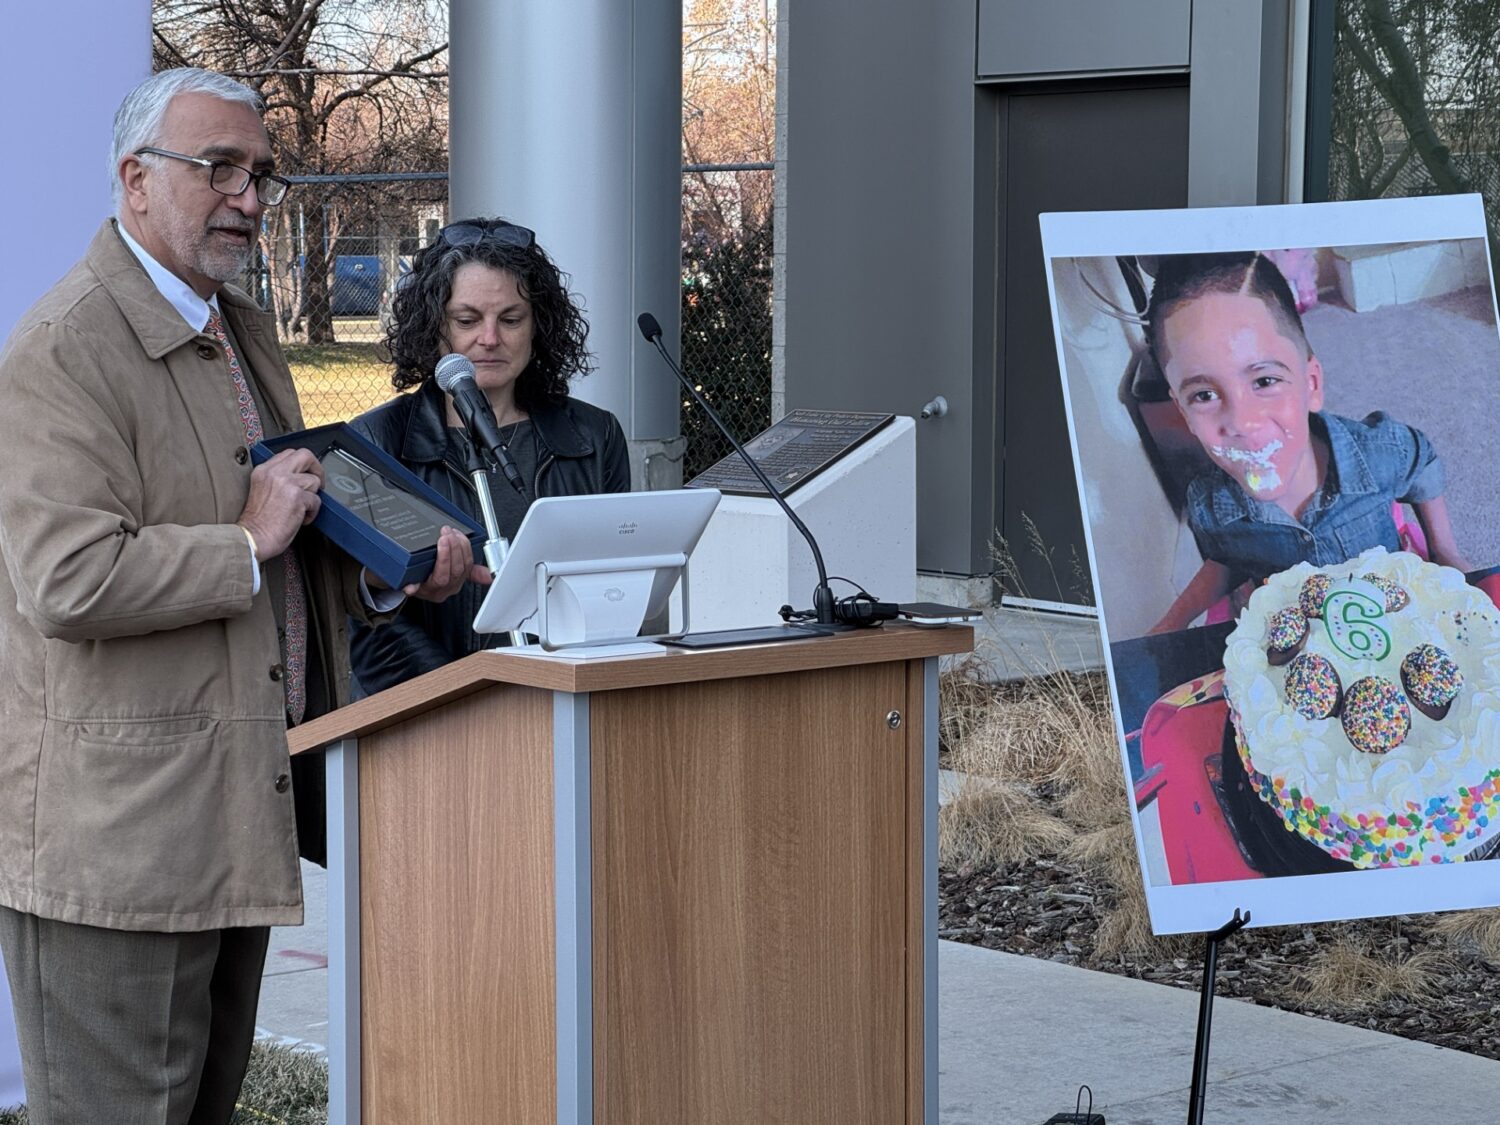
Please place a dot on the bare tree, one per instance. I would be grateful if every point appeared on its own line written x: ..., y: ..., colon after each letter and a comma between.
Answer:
x: 350, y: 86
x: 728, y: 115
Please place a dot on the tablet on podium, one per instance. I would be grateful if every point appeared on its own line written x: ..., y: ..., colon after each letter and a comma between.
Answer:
x: 592, y: 569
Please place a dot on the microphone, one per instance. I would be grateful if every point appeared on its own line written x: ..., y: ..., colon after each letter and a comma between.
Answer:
x: 825, y: 609
x: 455, y: 375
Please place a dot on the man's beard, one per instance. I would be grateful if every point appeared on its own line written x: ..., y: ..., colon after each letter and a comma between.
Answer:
x: 202, y: 253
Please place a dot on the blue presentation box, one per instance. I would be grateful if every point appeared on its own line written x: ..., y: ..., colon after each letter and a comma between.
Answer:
x: 397, y: 563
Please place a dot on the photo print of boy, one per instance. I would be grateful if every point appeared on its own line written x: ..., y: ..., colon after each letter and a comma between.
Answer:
x: 1249, y: 391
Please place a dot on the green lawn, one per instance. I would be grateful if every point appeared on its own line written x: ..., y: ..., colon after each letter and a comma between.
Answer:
x: 337, y: 381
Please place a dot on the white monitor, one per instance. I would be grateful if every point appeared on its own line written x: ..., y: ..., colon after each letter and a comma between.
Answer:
x: 591, y: 569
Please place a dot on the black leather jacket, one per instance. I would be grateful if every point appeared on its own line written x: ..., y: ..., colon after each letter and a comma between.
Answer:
x: 583, y: 451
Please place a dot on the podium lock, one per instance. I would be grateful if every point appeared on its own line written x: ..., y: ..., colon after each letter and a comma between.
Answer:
x: 893, y: 720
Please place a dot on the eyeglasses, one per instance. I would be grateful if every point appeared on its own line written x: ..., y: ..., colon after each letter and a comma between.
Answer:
x: 231, y: 179
x: 471, y: 232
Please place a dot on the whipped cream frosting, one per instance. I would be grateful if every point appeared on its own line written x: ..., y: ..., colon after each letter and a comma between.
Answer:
x: 1313, y: 756
x: 1260, y: 470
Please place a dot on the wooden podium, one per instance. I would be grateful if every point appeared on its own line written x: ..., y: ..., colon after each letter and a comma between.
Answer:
x: 680, y: 888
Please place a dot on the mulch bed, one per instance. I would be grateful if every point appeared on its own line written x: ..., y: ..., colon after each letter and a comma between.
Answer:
x: 1044, y: 908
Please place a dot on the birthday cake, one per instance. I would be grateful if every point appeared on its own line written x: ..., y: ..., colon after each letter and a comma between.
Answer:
x: 1365, y: 699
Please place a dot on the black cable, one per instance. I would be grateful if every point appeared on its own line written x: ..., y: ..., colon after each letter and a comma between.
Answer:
x: 857, y: 611
x: 856, y: 585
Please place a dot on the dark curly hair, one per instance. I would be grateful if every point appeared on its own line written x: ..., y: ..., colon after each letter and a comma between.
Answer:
x: 418, y: 317
x: 1185, y: 277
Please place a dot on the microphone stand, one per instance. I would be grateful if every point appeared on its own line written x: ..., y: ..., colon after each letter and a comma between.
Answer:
x: 496, y: 546
x: 822, y: 593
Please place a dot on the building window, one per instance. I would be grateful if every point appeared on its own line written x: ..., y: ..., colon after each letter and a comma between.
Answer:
x: 1404, y: 99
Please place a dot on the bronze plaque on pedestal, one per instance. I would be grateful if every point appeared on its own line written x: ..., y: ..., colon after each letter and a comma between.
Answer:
x: 792, y: 451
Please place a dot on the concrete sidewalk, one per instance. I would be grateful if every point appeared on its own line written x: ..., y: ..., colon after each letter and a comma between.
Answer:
x: 1017, y: 1036
x: 1019, y: 643
x: 294, y: 990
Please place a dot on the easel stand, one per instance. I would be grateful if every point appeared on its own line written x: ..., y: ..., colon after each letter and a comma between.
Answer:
x: 1206, y: 1012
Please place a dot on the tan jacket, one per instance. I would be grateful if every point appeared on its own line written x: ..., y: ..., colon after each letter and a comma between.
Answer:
x: 143, y: 758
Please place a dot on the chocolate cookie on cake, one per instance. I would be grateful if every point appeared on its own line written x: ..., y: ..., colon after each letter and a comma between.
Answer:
x: 1286, y: 633
x: 1313, y: 593
x: 1396, y: 597
x: 1431, y: 679
x: 1375, y: 715
x: 1312, y: 687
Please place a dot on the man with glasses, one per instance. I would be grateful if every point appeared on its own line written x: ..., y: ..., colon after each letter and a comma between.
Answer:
x: 161, y: 623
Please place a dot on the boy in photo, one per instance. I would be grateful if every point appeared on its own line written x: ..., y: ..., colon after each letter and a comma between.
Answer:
x: 1289, y: 482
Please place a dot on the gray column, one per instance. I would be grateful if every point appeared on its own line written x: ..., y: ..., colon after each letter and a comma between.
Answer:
x: 57, y: 131
x: 58, y: 122
x: 1238, y: 102
x: 566, y: 117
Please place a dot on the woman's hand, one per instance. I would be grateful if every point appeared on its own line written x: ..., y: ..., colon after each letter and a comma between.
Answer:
x: 455, y: 565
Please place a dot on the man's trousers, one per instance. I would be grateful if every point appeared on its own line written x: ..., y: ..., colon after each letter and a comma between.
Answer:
x: 131, y: 1027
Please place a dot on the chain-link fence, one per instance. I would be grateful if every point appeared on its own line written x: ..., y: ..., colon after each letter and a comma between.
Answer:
x: 331, y: 256
x: 726, y: 304
x: 328, y: 262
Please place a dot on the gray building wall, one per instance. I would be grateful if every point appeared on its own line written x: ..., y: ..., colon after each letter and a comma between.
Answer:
x: 878, y: 230
x: 1238, y: 125
x: 1072, y: 37
x: 887, y: 258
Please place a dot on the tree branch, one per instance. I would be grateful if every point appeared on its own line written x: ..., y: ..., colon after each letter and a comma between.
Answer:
x: 1388, y: 177
x: 281, y: 49
x: 167, y: 43
x: 403, y: 68
x: 320, y: 72
x: 1403, y: 91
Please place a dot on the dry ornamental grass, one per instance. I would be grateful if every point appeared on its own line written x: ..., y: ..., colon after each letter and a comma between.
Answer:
x: 1357, y: 973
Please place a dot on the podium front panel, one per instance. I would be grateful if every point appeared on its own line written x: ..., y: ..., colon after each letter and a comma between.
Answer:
x: 751, y: 959
x: 456, y: 924
x: 651, y: 899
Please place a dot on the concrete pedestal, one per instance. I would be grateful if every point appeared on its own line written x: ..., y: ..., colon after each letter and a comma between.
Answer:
x: 863, y: 512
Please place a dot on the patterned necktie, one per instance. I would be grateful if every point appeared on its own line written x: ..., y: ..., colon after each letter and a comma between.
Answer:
x: 295, y: 647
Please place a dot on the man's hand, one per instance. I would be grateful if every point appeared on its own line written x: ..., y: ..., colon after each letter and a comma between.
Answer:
x: 283, y: 498
x: 455, y: 565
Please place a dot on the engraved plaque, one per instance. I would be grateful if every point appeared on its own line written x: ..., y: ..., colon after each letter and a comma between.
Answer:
x: 399, y: 515
x: 792, y: 451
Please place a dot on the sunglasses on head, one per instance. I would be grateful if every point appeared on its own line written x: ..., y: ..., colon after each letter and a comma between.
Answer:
x: 471, y: 232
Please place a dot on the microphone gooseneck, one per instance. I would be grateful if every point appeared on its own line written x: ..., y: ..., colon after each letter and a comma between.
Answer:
x: 455, y: 375
x: 823, y: 605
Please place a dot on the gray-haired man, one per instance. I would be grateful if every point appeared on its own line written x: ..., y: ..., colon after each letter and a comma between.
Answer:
x: 161, y: 622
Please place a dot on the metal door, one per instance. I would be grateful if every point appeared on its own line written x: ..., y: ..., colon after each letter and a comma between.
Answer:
x: 1062, y: 149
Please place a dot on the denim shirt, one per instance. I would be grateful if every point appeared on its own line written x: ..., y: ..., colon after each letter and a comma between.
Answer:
x: 1372, y: 464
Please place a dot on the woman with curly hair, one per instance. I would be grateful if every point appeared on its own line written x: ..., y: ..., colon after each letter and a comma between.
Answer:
x: 487, y: 290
